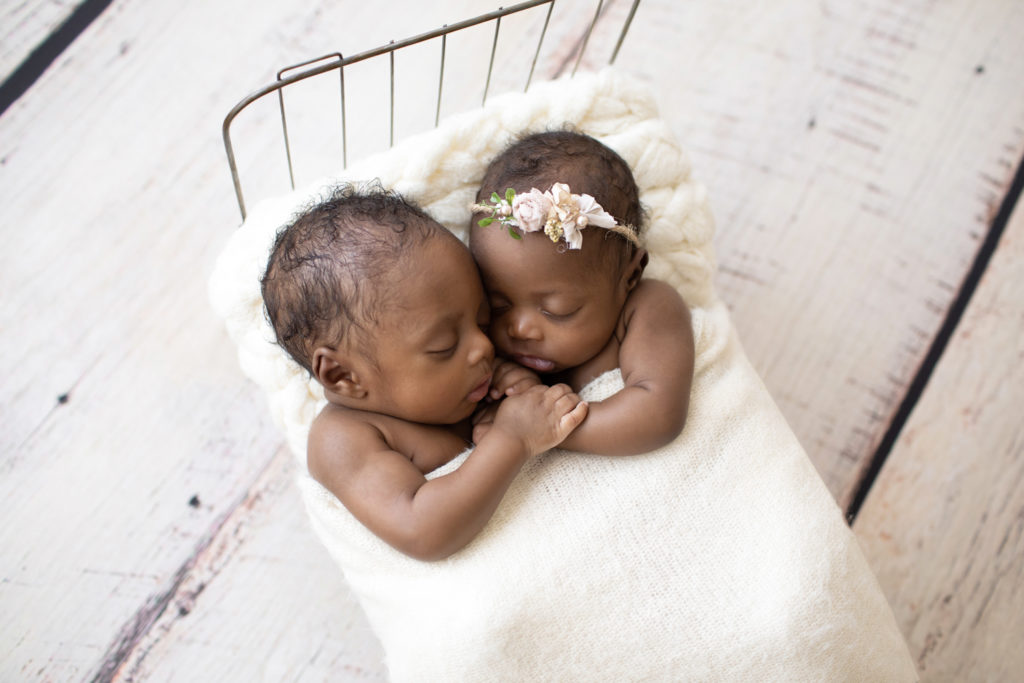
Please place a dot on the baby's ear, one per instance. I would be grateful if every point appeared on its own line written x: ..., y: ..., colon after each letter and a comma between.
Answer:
x: 635, y: 268
x: 335, y: 372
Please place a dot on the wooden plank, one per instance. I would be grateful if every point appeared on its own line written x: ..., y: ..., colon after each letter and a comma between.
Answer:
x: 943, y: 524
x: 24, y: 25
x: 855, y: 154
x: 263, y: 602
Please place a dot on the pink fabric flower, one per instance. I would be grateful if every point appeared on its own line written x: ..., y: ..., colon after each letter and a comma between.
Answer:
x: 531, y: 210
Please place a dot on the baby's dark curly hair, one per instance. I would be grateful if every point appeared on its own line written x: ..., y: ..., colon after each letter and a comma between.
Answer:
x: 565, y: 156
x: 328, y: 270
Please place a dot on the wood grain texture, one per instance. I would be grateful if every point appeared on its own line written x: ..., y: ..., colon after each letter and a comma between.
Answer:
x: 24, y: 25
x: 943, y: 525
x: 855, y: 155
x: 262, y: 602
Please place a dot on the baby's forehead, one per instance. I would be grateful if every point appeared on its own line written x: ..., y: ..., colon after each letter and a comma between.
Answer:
x: 441, y: 262
x: 437, y: 253
x: 535, y: 263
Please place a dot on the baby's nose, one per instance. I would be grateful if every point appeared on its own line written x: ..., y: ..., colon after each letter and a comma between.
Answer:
x: 523, y: 325
x: 481, y: 350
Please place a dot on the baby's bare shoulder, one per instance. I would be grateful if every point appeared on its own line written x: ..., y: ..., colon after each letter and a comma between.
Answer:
x: 657, y: 302
x: 339, y: 439
x: 658, y: 349
x: 344, y: 442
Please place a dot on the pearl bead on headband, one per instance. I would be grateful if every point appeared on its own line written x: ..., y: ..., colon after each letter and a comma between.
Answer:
x: 558, y: 212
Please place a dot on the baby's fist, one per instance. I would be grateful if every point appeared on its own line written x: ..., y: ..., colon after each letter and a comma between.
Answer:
x: 541, y: 416
x: 511, y: 378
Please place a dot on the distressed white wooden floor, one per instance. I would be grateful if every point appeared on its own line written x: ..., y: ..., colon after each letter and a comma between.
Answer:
x: 857, y: 155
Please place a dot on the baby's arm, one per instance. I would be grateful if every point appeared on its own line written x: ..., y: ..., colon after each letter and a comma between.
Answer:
x: 430, y: 520
x: 656, y: 359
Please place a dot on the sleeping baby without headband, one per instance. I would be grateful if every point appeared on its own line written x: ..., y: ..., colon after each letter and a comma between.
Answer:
x: 561, y: 214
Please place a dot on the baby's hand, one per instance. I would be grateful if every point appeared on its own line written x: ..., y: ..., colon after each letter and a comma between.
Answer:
x: 483, y: 420
x: 511, y: 378
x: 540, y: 416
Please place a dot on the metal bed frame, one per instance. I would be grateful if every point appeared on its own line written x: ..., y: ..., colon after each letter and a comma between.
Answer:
x: 335, y: 61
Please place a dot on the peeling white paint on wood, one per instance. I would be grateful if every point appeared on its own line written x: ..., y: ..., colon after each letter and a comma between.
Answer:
x: 855, y: 154
x: 944, y: 524
x: 25, y: 25
x: 263, y: 602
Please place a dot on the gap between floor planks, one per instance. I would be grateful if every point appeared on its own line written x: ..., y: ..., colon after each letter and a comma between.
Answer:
x: 943, y: 527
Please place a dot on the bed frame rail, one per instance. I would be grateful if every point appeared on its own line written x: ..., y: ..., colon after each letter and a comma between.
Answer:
x: 337, y: 62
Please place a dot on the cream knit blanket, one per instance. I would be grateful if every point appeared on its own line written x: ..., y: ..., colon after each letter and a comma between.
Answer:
x: 720, y: 557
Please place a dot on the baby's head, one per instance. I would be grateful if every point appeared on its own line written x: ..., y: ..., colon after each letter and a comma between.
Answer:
x: 382, y: 305
x: 552, y: 307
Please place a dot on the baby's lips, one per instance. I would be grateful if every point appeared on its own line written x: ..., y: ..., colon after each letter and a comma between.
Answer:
x: 481, y: 390
x: 535, y: 363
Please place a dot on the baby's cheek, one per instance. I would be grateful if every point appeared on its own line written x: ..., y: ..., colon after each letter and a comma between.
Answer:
x: 575, y: 349
x: 496, y: 333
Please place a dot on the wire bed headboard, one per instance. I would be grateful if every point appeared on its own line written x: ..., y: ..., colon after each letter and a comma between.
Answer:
x: 337, y: 62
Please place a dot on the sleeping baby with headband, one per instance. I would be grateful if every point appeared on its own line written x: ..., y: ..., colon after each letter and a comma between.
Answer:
x: 556, y: 236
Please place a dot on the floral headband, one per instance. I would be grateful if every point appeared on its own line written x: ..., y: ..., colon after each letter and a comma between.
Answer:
x: 558, y: 212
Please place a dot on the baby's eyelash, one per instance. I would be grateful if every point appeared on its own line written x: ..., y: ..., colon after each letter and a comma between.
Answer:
x: 443, y: 352
x: 560, y: 316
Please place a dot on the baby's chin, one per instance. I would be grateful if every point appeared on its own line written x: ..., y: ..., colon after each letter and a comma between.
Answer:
x: 448, y: 417
x: 466, y: 413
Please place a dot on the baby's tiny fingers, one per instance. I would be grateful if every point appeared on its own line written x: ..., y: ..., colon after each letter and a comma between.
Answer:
x: 504, y: 376
x: 520, y: 386
x: 567, y: 402
x: 574, y: 418
x: 556, y: 391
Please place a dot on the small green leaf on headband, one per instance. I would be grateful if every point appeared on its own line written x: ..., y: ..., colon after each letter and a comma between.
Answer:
x: 484, y: 222
x: 515, y: 235
x: 495, y: 198
x: 510, y: 194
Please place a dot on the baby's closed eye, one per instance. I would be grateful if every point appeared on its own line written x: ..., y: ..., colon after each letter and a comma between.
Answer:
x: 560, y: 312
x: 442, y: 348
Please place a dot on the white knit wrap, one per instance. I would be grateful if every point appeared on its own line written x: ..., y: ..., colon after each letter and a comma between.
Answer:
x: 721, y: 556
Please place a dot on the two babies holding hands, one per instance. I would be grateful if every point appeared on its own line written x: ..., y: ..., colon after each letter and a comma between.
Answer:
x: 424, y: 347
